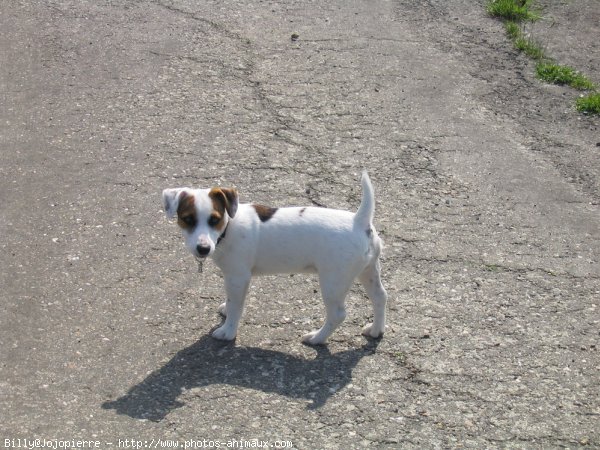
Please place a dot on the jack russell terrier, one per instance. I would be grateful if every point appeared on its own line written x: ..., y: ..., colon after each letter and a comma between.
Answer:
x: 250, y: 239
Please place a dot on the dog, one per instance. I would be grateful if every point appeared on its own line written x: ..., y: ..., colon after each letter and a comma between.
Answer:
x: 251, y: 239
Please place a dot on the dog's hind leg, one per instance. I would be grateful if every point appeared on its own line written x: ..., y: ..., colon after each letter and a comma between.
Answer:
x: 334, y: 289
x: 370, y: 278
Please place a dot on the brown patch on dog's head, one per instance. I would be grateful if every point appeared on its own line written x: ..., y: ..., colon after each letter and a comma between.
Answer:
x: 186, y: 211
x: 224, y: 200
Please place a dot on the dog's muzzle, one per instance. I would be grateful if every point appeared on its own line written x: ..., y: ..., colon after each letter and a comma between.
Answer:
x: 202, y: 250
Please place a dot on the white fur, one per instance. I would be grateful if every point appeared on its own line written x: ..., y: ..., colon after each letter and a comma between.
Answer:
x: 338, y: 245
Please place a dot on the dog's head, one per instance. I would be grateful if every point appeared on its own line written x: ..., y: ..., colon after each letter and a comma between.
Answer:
x: 202, y: 214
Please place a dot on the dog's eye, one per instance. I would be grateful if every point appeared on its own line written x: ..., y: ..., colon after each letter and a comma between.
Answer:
x: 189, y: 220
x: 213, y: 221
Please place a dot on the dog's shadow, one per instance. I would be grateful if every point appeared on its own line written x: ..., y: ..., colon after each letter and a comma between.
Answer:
x: 211, y: 362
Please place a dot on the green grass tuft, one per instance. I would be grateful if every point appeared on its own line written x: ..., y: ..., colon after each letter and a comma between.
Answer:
x: 523, y: 43
x: 512, y: 29
x: 556, y: 74
x: 590, y: 104
x: 513, y: 10
x: 529, y: 47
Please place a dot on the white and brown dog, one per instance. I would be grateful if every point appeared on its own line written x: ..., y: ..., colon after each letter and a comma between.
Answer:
x: 250, y: 239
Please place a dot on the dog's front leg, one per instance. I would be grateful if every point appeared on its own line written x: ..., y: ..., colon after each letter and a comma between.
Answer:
x: 236, y: 288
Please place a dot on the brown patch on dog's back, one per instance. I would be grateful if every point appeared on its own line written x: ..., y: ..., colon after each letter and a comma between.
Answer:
x: 264, y: 212
x: 186, y: 211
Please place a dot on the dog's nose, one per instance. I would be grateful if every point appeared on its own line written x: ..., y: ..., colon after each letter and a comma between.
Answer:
x: 203, y: 250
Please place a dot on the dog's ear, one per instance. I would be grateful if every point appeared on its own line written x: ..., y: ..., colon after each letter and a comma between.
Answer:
x: 232, y: 201
x: 171, y: 198
x: 227, y: 197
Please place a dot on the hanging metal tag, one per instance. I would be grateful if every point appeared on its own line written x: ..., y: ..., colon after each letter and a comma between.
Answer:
x: 200, y: 262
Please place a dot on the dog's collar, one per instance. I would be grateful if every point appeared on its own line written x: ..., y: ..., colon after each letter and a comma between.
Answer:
x: 222, y: 234
x: 201, y: 259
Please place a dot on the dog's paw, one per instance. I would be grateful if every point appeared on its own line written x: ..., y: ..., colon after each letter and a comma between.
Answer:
x: 224, y: 334
x: 313, y: 338
x: 372, y: 332
x: 223, y: 309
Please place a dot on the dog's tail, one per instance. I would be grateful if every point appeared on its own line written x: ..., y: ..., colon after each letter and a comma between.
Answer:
x: 364, y: 216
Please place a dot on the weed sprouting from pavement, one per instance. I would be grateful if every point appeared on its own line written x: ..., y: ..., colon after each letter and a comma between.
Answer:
x: 512, y: 29
x: 400, y: 357
x: 557, y: 74
x: 512, y: 19
x: 589, y: 104
x: 513, y: 13
x: 513, y: 10
x: 529, y: 47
